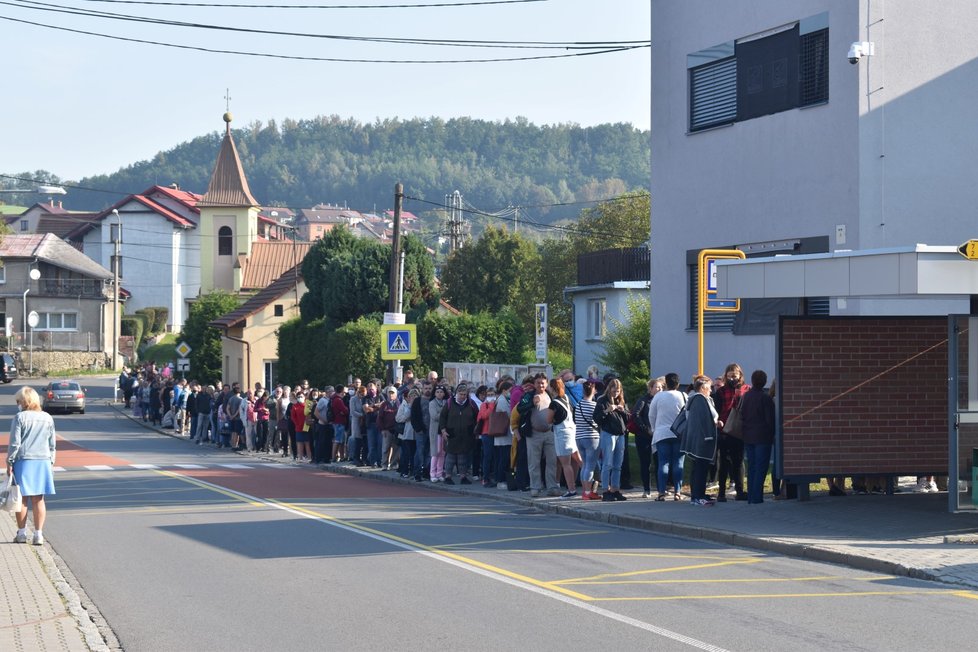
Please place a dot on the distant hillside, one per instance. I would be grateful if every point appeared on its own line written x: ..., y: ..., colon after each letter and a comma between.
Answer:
x: 334, y: 160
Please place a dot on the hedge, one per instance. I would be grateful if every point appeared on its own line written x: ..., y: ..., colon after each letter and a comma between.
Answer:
x: 327, y: 356
x: 132, y: 325
x: 162, y: 314
x: 150, y: 315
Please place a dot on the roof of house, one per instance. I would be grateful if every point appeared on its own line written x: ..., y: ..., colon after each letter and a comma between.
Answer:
x: 228, y: 186
x: 328, y: 214
x: 283, y: 284
x: 146, y: 198
x: 269, y: 260
x: 52, y: 250
x: 405, y: 215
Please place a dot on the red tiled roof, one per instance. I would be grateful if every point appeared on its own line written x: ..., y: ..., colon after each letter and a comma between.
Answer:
x: 268, y: 260
x: 280, y: 286
x: 188, y: 199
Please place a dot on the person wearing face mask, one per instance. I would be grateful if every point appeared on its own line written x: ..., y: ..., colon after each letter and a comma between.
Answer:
x: 435, y: 440
x: 457, y: 424
x: 482, y: 429
x: 730, y: 449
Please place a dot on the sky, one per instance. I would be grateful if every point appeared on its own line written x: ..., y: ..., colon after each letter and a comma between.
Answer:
x: 78, y: 105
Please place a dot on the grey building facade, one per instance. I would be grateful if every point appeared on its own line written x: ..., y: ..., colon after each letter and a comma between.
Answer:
x: 766, y: 138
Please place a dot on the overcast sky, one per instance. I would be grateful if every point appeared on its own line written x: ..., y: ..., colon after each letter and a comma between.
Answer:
x: 78, y: 104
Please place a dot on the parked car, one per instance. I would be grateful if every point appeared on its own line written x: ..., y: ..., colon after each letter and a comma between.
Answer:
x: 64, y: 395
x: 8, y: 368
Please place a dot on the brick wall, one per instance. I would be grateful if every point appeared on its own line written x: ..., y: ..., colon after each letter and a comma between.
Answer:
x: 835, y: 422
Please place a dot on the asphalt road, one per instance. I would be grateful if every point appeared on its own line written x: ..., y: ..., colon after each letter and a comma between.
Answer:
x: 184, y: 547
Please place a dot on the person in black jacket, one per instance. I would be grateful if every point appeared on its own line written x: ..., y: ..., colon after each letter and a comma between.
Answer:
x: 700, y: 439
x: 643, y: 436
x: 757, y: 421
x: 611, y: 415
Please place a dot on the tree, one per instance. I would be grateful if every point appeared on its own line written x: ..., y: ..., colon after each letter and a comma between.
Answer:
x: 492, y: 338
x: 627, y: 348
x: 498, y: 270
x: 204, y: 340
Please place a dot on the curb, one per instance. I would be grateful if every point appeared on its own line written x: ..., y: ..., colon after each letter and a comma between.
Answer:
x: 644, y: 524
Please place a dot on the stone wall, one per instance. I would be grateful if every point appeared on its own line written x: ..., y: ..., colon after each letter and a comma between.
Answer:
x: 46, y: 362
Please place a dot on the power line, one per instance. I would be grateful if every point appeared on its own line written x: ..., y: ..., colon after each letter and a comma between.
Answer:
x: 562, y: 45
x: 291, y: 57
x: 392, y: 6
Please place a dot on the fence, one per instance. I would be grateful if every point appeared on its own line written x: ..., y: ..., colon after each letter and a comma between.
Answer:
x: 610, y: 265
x: 56, y: 341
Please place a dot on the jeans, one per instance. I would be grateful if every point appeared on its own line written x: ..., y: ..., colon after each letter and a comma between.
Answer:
x: 501, y: 462
x: 670, y: 465
x: 406, y: 466
x: 461, y: 460
x: 487, y: 456
x: 758, y: 458
x: 202, y: 425
x: 373, y: 445
x: 613, y: 453
x: 540, y: 447
x: 590, y: 456
x: 422, y: 455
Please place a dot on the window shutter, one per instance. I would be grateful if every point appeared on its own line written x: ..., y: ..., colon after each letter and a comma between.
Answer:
x: 813, y: 68
x: 713, y: 94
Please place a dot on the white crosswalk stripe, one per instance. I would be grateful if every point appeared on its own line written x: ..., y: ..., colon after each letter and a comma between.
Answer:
x: 99, y: 467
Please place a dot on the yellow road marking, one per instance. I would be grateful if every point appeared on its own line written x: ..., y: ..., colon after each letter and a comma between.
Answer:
x: 759, y: 580
x: 384, y: 535
x: 967, y: 594
x: 397, y: 521
x: 119, y: 496
x: 744, y: 596
x: 669, y: 569
x: 196, y: 505
x: 597, y: 553
x: 536, y: 536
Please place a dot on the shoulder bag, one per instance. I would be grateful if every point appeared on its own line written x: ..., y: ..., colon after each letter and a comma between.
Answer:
x: 734, y: 425
x: 678, y: 426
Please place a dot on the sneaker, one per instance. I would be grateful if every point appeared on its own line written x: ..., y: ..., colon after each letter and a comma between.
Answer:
x: 607, y: 497
x: 932, y: 487
x: 502, y: 486
x: 464, y: 480
x: 535, y: 493
x: 38, y: 539
x: 448, y: 481
x: 21, y: 537
x: 702, y: 502
x: 568, y: 495
x: 618, y: 496
x: 647, y: 494
x: 555, y: 492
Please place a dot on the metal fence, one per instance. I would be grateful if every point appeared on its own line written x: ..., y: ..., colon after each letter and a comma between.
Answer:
x: 56, y: 341
x: 610, y: 265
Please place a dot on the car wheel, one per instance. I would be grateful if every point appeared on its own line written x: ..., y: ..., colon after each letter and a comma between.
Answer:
x: 6, y: 380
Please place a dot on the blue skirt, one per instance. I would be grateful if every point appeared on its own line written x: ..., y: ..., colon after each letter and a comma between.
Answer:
x: 34, y: 477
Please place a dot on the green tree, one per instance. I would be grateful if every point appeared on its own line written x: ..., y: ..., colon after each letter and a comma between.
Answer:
x: 205, y: 340
x: 498, y: 270
x: 627, y: 349
x: 492, y: 338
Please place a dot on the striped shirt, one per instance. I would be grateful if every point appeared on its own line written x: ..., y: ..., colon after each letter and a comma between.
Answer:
x: 584, y: 420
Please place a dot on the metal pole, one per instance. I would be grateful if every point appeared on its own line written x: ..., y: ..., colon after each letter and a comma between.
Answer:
x: 395, y: 257
x: 116, y: 236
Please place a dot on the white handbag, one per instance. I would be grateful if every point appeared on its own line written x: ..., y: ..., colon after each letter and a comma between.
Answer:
x: 10, y: 495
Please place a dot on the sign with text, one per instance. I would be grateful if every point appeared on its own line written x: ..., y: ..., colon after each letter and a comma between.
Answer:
x: 541, y: 331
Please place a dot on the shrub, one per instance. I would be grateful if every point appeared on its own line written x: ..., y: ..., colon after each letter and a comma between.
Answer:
x: 162, y: 314
x: 150, y: 315
x: 490, y: 338
x: 132, y: 325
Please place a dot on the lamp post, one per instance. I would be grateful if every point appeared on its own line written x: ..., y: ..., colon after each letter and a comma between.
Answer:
x: 115, y: 236
x: 30, y: 320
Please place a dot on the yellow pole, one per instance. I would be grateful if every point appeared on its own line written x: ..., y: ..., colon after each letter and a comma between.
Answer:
x: 705, y: 255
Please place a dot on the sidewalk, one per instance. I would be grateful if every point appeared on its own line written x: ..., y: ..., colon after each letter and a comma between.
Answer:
x: 907, y: 534
x: 41, y: 611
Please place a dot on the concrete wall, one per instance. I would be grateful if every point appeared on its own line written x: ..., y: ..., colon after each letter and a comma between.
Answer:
x: 46, y: 362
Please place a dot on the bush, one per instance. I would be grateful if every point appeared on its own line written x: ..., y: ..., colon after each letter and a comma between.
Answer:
x: 490, y: 338
x: 162, y: 314
x: 326, y: 356
x: 150, y: 315
x: 132, y: 325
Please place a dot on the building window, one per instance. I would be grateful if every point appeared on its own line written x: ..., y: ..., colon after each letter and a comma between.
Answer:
x: 779, y: 70
x: 23, y: 225
x: 279, y: 310
x: 3, y: 275
x: 57, y: 321
x: 596, y: 317
x: 224, y: 241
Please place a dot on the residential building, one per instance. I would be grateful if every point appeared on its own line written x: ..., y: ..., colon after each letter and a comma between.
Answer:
x: 606, y: 281
x: 48, y: 218
x: 767, y: 139
x: 313, y: 223
x: 72, y: 295
x: 160, y: 251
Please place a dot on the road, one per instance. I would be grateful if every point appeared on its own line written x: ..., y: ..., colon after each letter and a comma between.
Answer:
x: 184, y: 547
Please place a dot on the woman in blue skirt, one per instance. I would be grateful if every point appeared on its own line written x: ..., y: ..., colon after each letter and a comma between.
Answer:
x: 30, y: 456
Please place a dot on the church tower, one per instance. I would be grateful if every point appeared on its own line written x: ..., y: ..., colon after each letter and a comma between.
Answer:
x: 228, y: 219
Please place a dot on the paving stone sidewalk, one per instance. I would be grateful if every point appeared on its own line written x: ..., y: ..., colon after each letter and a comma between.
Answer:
x: 38, y: 609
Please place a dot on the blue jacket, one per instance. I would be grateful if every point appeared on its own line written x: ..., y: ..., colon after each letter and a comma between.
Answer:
x: 31, y: 437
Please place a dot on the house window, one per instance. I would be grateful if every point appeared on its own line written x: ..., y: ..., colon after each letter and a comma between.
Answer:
x: 57, y: 321
x: 596, y: 317
x: 3, y: 275
x: 23, y: 225
x: 279, y: 310
x: 224, y: 241
x: 779, y: 70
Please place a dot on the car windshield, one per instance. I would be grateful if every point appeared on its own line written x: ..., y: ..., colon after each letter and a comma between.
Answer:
x: 65, y: 386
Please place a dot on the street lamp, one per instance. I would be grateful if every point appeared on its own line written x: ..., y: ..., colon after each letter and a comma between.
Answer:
x: 30, y: 320
x: 115, y: 236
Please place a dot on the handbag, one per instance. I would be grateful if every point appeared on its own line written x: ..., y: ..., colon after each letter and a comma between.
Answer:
x: 734, y: 425
x: 12, y: 499
x: 679, y: 424
x: 498, y: 424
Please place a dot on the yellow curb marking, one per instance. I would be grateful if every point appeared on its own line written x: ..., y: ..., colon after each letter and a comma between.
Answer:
x: 598, y: 553
x: 854, y: 594
x: 759, y: 580
x: 670, y: 569
x: 967, y: 594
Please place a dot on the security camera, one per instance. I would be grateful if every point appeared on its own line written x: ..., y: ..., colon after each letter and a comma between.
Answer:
x: 860, y: 49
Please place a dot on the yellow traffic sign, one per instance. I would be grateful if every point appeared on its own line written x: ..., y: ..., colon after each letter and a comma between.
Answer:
x: 183, y: 349
x: 969, y: 249
x: 398, y: 342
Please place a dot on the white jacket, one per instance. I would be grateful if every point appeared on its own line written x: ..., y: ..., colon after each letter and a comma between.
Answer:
x: 663, y: 409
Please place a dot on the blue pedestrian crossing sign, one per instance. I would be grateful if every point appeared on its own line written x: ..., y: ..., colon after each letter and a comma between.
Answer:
x: 398, y: 342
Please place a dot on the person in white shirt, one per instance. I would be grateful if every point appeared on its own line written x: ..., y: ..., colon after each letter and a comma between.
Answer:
x: 663, y: 409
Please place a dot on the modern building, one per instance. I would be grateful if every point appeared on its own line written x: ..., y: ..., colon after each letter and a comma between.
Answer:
x: 787, y: 127
x: 606, y: 281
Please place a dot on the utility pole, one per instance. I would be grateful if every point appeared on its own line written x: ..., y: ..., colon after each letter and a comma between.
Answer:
x: 115, y: 235
x: 395, y: 277
x: 516, y: 220
x: 453, y: 204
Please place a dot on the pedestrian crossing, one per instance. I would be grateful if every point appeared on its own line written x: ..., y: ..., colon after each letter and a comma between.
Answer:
x: 173, y: 467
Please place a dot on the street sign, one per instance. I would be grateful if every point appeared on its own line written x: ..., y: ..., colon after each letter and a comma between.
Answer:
x: 183, y: 364
x: 711, y: 275
x: 969, y: 249
x: 183, y: 349
x: 398, y: 342
x: 541, y: 331
x: 32, y: 319
x: 722, y: 305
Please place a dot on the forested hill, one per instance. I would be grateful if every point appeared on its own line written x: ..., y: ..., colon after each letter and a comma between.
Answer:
x: 343, y: 161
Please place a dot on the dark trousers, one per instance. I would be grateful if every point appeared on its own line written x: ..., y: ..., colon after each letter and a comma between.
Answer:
x: 405, y: 466
x: 644, y: 447
x: 501, y: 462
x: 626, y: 473
x: 291, y: 439
x: 731, y: 464
x: 261, y: 435
x: 522, y: 469
x: 697, y: 481
x: 323, y: 434
x: 487, y: 457
x: 758, y: 461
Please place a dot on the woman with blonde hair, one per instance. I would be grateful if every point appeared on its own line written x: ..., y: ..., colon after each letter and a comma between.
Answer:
x: 611, y: 415
x: 30, y: 457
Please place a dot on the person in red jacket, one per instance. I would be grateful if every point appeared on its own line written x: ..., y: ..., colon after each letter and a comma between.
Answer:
x: 339, y: 414
x: 730, y: 449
